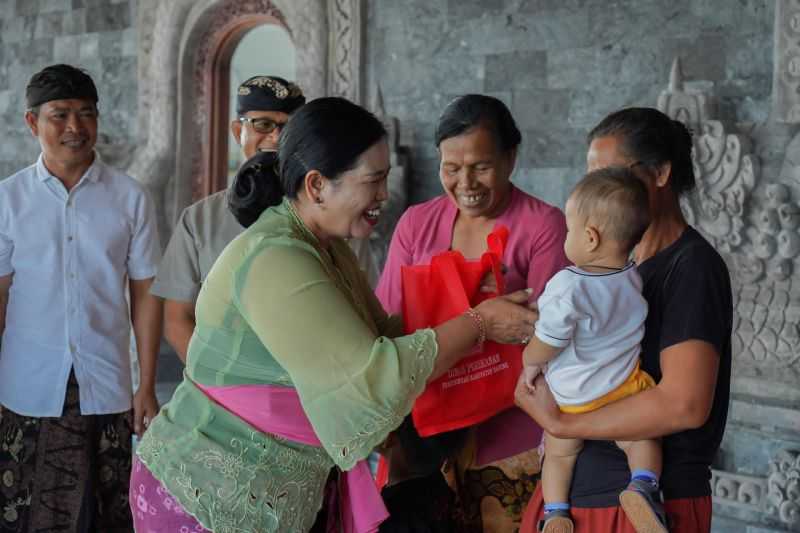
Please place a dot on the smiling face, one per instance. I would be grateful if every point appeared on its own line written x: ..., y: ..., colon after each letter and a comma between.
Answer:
x: 251, y: 140
x: 475, y: 172
x: 351, y: 204
x: 67, y: 131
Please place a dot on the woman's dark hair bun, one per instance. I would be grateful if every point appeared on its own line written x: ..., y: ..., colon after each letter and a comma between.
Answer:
x: 255, y: 188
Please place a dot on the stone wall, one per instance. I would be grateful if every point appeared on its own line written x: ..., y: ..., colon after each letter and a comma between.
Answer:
x: 98, y: 35
x: 560, y: 65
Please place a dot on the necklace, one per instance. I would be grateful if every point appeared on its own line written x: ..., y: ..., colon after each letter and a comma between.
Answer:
x: 339, y: 264
x: 301, y: 227
x: 304, y: 234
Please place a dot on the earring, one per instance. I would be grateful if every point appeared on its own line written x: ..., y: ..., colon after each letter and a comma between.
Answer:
x: 318, y: 200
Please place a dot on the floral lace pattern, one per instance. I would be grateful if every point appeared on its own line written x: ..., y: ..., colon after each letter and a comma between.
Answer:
x: 252, y: 483
x: 375, y: 431
x: 256, y: 482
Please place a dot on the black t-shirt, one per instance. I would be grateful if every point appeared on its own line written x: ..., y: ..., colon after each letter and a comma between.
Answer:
x: 688, y: 291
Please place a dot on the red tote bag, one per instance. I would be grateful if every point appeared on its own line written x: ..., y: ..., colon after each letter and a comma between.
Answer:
x: 482, y: 383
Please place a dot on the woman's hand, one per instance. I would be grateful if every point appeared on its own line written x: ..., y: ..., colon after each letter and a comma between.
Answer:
x: 539, y: 403
x: 508, y: 319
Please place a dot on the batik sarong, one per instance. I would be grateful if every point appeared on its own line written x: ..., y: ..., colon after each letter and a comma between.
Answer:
x: 69, y: 473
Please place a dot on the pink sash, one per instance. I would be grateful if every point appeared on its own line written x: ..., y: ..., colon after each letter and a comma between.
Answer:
x: 277, y: 410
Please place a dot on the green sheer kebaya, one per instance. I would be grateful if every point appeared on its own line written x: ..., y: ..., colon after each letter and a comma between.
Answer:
x: 277, y: 308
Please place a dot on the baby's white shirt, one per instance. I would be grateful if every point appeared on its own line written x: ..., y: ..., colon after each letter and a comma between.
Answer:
x: 599, y: 320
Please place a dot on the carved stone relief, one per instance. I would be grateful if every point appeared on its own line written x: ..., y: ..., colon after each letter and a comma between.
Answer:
x: 786, y: 80
x: 173, y: 49
x: 757, y: 234
x: 783, y: 487
x: 345, y: 18
x: 744, y: 492
x: 753, y: 222
x: 688, y: 107
x: 727, y: 174
x: 212, y: 40
x: 776, y: 497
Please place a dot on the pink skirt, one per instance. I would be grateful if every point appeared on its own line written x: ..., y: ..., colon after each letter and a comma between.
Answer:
x: 154, y: 509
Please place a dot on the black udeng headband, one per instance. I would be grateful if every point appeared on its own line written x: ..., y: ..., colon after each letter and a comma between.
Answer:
x: 59, y: 82
x: 268, y: 93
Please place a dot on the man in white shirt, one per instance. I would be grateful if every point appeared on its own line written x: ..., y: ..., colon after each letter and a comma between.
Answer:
x: 76, y: 237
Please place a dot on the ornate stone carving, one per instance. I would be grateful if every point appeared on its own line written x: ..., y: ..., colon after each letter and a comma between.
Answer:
x: 215, y: 41
x: 745, y: 492
x: 767, y: 334
x: 777, y: 496
x: 726, y: 174
x: 761, y: 241
x: 786, y: 79
x: 783, y: 482
x: 688, y: 107
x: 222, y: 18
x: 791, y: 165
x: 172, y: 54
x: 345, y: 19
x: 313, y: 33
x: 725, y: 170
x: 754, y: 220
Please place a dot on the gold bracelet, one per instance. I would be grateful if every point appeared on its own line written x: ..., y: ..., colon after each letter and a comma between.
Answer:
x: 477, y: 319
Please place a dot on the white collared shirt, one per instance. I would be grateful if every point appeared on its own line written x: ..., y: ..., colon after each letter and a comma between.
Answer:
x: 71, y: 253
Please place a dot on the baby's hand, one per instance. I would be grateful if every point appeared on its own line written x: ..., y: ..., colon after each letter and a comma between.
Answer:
x: 530, y: 372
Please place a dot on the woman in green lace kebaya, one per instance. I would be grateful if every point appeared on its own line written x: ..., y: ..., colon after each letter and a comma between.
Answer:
x: 307, y: 372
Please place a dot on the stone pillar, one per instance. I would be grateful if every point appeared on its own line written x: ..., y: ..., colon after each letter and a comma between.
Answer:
x: 786, y: 84
x: 346, y: 20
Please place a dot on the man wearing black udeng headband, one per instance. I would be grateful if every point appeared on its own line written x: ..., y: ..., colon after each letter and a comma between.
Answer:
x: 75, y: 236
x: 264, y: 104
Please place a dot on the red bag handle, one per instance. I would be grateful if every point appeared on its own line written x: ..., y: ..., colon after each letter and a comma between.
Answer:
x: 445, y: 264
x: 493, y: 257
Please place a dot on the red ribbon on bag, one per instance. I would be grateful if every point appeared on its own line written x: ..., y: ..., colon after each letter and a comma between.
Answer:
x: 482, y: 383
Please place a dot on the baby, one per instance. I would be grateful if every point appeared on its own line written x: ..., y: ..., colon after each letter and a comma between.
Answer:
x: 587, y: 340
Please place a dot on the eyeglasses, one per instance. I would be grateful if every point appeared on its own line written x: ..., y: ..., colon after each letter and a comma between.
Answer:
x: 262, y: 125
